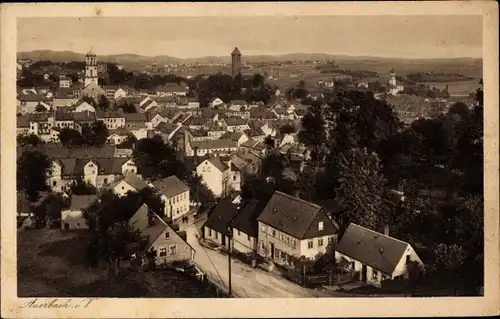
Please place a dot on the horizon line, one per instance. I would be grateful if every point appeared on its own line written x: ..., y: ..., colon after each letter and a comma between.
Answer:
x: 270, y: 55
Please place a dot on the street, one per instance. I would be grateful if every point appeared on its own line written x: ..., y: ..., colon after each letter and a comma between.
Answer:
x: 247, y: 282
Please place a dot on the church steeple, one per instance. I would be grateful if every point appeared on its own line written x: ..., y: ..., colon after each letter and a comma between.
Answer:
x: 91, y: 74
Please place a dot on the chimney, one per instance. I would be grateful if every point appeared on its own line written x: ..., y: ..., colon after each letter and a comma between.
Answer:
x: 386, y: 230
x: 150, y: 218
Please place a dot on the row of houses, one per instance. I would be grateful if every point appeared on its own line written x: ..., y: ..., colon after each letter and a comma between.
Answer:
x: 286, y: 229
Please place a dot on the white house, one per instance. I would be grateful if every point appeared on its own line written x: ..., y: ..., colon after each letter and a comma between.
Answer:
x: 206, y: 147
x: 83, y: 106
x: 245, y: 227
x: 130, y: 183
x: 215, y: 174
x: 112, y: 119
x: 175, y: 195
x: 290, y: 228
x: 375, y: 256
x: 72, y: 218
x: 234, y: 124
x: 216, y: 102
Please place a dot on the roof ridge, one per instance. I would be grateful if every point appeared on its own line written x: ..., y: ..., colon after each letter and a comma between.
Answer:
x: 299, y: 199
x: 381, y: 234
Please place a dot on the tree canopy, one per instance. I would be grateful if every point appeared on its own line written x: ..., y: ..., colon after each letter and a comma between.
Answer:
x: 32, y: 169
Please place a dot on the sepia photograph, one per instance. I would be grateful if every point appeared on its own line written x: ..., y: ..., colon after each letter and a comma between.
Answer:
x: 247, y: 156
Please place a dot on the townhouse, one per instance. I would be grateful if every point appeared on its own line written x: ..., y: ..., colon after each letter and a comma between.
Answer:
x: 291, y: 228
x: 216, y: 175
x: 234, y: 124
x: 175, y: 196
x: 72, y: 217
x: 64, y: 119
x: 202, y: 148
x: 157, y: 236
x: 112, y: 119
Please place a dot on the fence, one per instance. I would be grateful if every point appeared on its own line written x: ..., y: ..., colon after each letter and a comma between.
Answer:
x: 318, y: 279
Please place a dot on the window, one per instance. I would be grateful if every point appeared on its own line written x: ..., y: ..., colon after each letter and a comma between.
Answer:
x: 375, y: 274
x: 105, y: 181
x: 172, y: 249
x: 276, y: 253
x: 209, y: 232
x: 273, y: 232
x: 163, y: 252
x: 54, y: 183
x: 239, y: 233
x: 216, y: 235
x: 320, y: 242
x: 310, y: 244
x: 330, y: 239
x: 282, y: 238
x: 294, y: 243
x: 248, y: 237
x: 320, y: 226
x: 167, y: 235
x: 408, y: 259
x: 288, y: 240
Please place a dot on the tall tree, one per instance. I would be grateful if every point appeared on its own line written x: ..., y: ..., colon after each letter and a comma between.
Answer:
x: 306, y: 183
x: 103, y: 103
x: 32, y: 170
x: 155, y: 159
x: 313, y: 133
x: 31, y: 139
x: 361, y: 189
x: 71, y: 137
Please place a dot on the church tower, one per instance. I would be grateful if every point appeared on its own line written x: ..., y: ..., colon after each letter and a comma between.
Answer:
x: 236, y: 62
x: 91, y: 68
x: 392, y: 79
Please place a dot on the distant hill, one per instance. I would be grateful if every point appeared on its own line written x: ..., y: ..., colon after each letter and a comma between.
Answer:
x: 473, y: 65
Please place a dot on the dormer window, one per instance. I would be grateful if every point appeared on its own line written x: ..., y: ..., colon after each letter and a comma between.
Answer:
x: 320, y: 226
x: 167, y: 235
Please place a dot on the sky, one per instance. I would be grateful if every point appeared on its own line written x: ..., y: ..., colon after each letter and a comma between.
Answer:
x: 191, y: 37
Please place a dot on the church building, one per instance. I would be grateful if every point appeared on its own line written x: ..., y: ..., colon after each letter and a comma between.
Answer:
x: 91, y: 82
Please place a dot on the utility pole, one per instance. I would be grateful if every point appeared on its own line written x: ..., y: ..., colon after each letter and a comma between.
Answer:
x: 229, y: 258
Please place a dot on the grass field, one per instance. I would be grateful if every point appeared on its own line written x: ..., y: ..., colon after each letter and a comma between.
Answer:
x: 53, y: 264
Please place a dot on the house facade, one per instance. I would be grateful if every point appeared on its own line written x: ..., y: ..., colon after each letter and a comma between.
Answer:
x: 215, y: 174
x: 374, y: 256
x: 290, y: 228
x: 175, y: 196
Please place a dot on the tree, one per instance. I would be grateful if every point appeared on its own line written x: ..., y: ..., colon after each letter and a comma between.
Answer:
x: 103, y: 103
x: 83, y: 188
x: 128, y: 107
x: 71, y: 138
x: 95, y: 134
x: 155, y: 159
x: 448, y: 257
x: 257, y: 80
x: 307, y: 183
x: 32, y: 170
x: 287, y: 129
x: 361, y: 189
x: 31, y: 139
x: 199, y: 192
x: 269, y: 142
x: 313, y: 133
x: 40, y: 108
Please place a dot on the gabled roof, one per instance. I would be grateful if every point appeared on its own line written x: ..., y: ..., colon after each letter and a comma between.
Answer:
x: 371, y: 248
x: 234, y: 136
x: 170, y: 186
x: 221, y: 216
x: 79, y: 202
x: 235, y: 121
x: 23, y: 121
x: 109, y: 114
x: 212, y: 144
x: 292, y: 215
x: 135, y: 117
x: 133, y: 180
x: 85, y: 116
x: 62, y: 115
x: 215, y: 161
x: 246, y: 220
